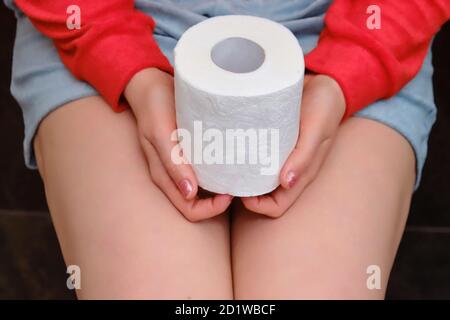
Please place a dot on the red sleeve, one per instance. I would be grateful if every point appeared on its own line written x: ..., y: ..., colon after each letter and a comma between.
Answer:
x: 115, y: 41
x: 374, y: 64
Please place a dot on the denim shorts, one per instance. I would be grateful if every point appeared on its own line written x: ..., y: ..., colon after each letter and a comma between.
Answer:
x: 41, y: 83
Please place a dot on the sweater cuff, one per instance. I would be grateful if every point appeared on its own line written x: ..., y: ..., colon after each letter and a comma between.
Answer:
x: 109, y: 66
x: 361, y: 76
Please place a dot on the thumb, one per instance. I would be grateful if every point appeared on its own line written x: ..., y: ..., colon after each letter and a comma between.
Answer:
x: 301, y: 157
x: 165, y: 140
x: 314, y: 130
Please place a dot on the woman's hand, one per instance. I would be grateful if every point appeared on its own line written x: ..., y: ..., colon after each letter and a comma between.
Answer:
x: 323, y: 106
x: 150, y: 94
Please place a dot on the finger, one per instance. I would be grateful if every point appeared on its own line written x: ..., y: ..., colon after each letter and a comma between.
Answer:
x: 315, y: 128
x: 279, y: 201
x: 162, y: 135
x: 307, y: 79
x: 276, y: 203
x: 303, y: 154
x: 194, y: 209
x: 201, y: 209
x: 170, y: 154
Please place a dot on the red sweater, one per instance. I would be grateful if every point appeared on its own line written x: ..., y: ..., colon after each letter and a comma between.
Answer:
x: 374, y: 64
x: 115, y: 42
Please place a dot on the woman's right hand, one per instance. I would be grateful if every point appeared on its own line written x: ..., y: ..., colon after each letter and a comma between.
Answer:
x: 150, y: 94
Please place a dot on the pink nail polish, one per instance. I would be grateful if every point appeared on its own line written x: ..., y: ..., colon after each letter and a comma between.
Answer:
x: 291, y: 179
x: 186, y: 187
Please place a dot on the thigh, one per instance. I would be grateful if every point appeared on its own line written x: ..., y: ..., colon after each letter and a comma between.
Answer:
x: 112, y: 221
x: 351, y: 217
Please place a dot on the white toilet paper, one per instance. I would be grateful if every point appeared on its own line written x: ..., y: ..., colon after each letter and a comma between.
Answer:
x: 238, y: 84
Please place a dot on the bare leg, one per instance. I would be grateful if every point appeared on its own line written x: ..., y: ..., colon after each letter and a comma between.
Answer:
x: 351, y: 217
x: 112, y: 221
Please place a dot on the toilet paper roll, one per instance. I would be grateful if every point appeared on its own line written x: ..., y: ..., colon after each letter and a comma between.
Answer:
x: 238, y: 84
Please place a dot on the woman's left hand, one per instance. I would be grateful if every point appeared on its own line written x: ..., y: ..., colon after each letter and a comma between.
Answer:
x: 323, y: 106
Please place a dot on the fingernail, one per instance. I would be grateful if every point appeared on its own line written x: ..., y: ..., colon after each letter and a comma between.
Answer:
x: 186, y: 187
x: 291, y: 179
